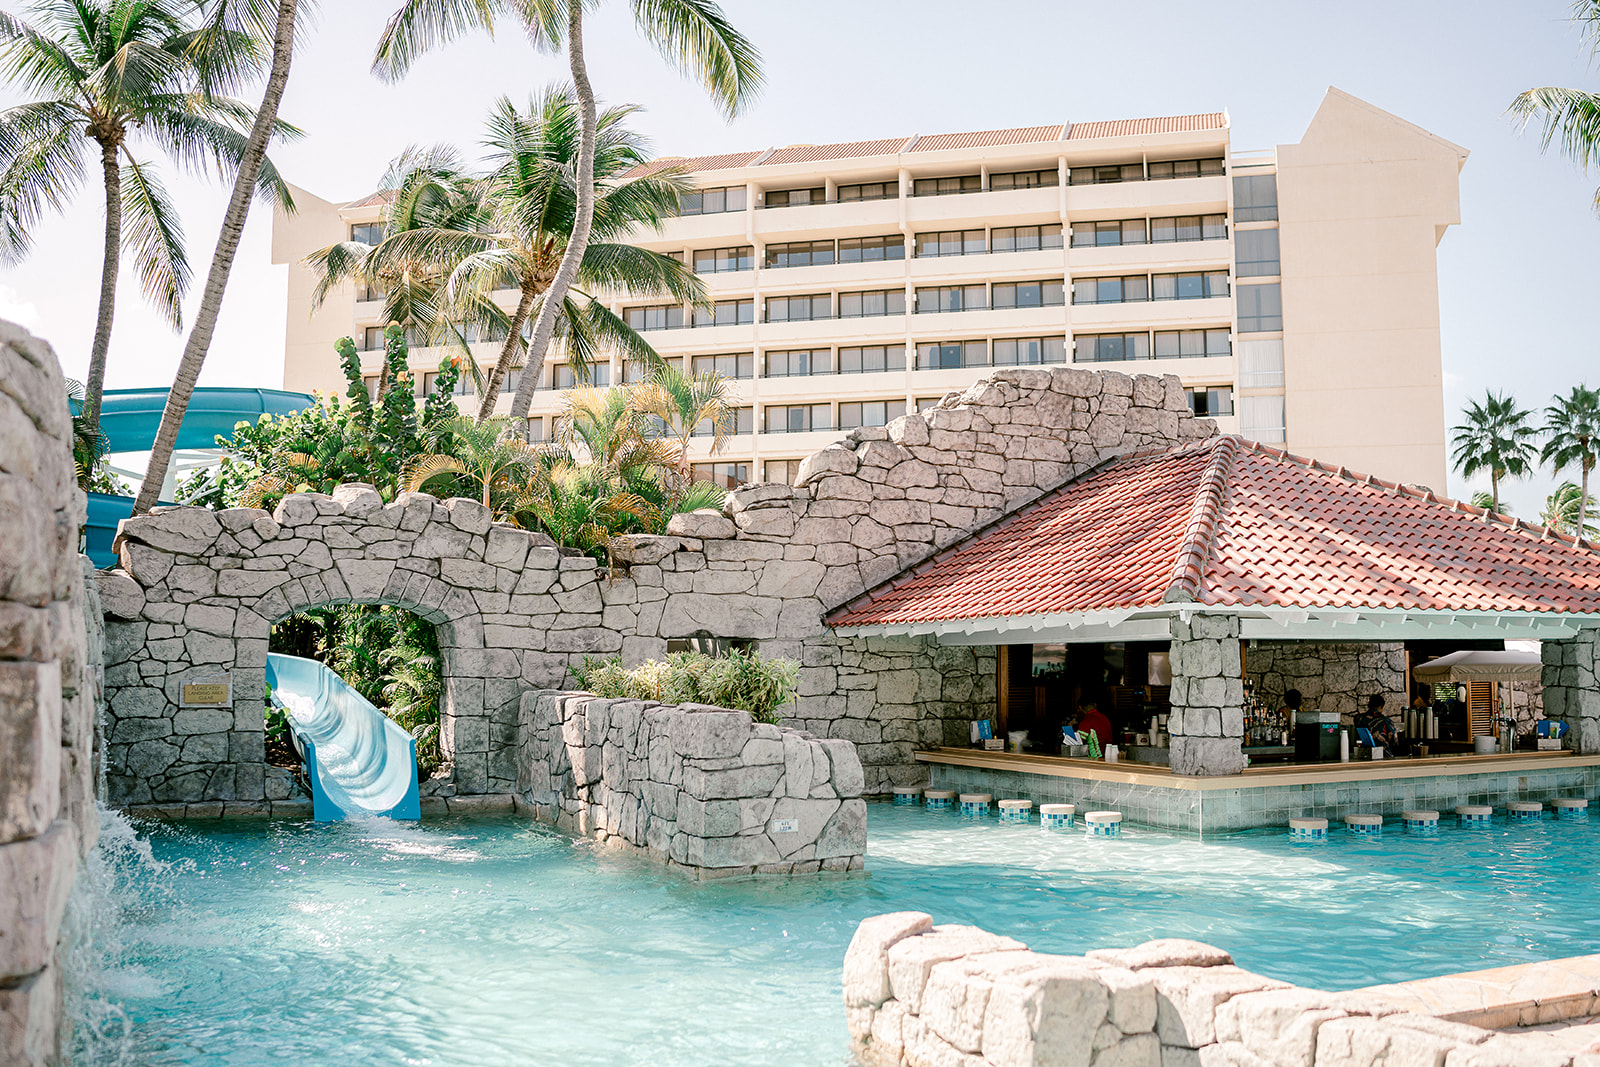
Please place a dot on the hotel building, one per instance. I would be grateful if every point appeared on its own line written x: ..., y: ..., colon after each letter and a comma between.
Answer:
x: 1294, y: 291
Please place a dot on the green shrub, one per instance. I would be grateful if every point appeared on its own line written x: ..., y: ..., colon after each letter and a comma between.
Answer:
x: 741, y: 680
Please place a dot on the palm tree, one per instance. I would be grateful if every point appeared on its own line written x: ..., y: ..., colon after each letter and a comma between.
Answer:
x: 1571, y: 117
x: 684, y: 404
x: 228, y: 17
x: 1573, y: 423
x: 1566, y: 509
x: 120, y: 75
x: 488, y: 457
x: 1495, y: 437
x: 694, y: 35
x: 1485, y: 501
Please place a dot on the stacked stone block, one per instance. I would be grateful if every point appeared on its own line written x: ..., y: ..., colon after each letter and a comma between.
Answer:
x: 1571, y: 691
x: 1332, y: 676
x: 702, y: 788
x: 1207, y: 720
x: 49, y: 694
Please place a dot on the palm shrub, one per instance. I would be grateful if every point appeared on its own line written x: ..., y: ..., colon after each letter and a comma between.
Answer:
x: 1567, y: 510
x: 1495, y: 438
x: 741, y: 680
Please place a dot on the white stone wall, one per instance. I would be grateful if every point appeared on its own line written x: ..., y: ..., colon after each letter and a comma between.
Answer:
x: 1572, y: 687
x: 49, y: 693
x: 700, y: 787
x: 1331, y: 676
x: 1207, y: 720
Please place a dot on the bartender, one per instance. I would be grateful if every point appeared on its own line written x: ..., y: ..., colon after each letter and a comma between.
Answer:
x: 1091, y: 718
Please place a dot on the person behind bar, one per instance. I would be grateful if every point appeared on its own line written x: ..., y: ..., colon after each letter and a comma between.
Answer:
x: 1091, y: 718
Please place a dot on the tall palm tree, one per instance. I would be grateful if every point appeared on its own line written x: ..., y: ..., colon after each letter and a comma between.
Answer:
x: 1570, y: 117
x: 121, y: 78
x: 1573, y: 423
x: 684, y: 404
x: 1495, y: 437
x: 1566, y: 510
x: 693, y: 35
x: 228, y: 17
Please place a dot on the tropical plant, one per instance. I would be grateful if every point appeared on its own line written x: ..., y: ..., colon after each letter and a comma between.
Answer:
x: 1573, y: 425
x: 123, y: 79
x: 1494, y: 438
x: 740, y: 679
x: 694, y: 35
x: 1567, y: 510
x: 489, y: 459
x: 684, y: 404
x: 227, y: 18
x: 1570, y: 117
x: 89, y: 447
x: 1483, y: 499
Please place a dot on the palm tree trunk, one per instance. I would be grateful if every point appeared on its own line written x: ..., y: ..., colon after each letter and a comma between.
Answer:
x: 555, y: 297
x: 508, y: 352
x: 1583, y: 499
x: 205, y: 322
x: 1494, y: 485
x: 94, y: 388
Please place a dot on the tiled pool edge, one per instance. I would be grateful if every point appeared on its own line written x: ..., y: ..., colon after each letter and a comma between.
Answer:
x: 1251, y: 806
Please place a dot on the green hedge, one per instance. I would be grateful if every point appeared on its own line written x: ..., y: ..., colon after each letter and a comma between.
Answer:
x: 741, y: 680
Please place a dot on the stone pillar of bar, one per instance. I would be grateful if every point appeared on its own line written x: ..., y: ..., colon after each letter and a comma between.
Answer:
x: 1572, y: 687
x: 1207, y: 722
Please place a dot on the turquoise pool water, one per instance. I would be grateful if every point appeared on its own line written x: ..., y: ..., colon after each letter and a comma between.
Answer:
x: 493, y: 941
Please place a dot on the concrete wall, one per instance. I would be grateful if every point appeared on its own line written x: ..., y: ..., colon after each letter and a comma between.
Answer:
x: 702, y: 788
x: 49, y: 694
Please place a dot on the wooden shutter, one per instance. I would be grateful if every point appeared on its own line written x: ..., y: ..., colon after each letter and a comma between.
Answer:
x: 1481, y: 708
x: 1016, y: 689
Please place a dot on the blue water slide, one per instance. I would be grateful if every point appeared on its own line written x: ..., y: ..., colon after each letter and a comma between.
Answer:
x: 360, y: 762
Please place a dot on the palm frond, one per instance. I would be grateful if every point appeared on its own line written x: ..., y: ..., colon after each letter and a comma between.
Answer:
x: 152, y: 233
x: 697, y: 38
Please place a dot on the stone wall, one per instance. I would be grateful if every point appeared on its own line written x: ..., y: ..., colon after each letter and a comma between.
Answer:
x: 1207, y: 720
x: 49, y: 694
x: 700, y: 787
x: 921, y: 995
x: 1571, y: 680
x: 199, y: 590
x: 1331, y: 677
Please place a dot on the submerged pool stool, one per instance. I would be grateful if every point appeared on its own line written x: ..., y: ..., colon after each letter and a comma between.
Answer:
x: 939, y: 799
x: 1524, y: 810
x: 1016, y: 811
x: 907, y: 794
x: 1423, y: 821
x: 1103, y: 823
x: 1366, y: 825
x: 1308, y: 829
x: 1056, y: 816
x: 975, y: 805
x: 1474, y: 814
x: 1570, y: 807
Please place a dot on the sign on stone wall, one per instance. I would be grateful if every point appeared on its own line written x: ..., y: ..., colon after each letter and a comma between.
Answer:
x: 206, y: 693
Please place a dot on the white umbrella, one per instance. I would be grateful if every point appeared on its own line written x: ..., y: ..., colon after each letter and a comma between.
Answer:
x: 1480, y: 667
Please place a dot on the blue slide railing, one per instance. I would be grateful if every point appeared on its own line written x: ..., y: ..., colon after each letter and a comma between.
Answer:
x: 360, y: 762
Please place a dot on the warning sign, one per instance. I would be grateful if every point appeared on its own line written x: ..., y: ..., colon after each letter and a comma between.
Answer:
x: 205, y: 694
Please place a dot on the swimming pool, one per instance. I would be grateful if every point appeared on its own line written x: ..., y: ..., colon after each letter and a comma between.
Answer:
x: 495, y: 941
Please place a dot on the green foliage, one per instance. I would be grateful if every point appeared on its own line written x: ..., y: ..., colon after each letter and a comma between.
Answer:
x: 1567, y: 508
x: 741, y: 679
x: 89, y: 447
x: 1495, y: 438
x: 1569, y: 118
x: 1485, y: 500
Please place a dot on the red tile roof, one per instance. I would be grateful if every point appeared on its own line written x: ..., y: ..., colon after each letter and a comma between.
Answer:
x: 1228, y: 522
x: 1212, y: 120
x: 690, y: 164
x: 382, y: 196
x: 939, y: 142
x: 810, y: 153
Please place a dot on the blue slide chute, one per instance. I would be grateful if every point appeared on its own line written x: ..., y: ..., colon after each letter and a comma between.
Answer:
x: 360, y: 762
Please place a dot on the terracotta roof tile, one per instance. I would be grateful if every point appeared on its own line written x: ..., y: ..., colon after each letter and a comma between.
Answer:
x: 690, y: 164
x: 809, y: 153
x: 939, y: 142
x: 1212, y: 120
x: 382, y: 196
x: 1228, y: 522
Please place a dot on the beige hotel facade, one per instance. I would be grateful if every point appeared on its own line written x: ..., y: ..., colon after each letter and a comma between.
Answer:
x: 1294, y: 291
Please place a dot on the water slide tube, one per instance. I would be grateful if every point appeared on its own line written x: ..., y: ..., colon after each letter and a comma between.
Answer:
x: 360, y: 761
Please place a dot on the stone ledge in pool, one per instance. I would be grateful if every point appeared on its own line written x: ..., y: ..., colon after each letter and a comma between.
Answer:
x: 917, y: 994
x: 702, y: 788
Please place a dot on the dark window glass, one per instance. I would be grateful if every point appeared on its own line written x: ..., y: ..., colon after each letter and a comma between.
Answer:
x: 799, y: 254
x: 799, y: 308
x: 655, y: 317
x: 1185, y: 168
x: 638, y: 370
x: 872, y: 249
x: 722, y: 260
x: 869, y: 191
x: 967, y: 183
x: 723, y: 475
x: 713, y: 201
x: 727, y: 313
x: 1110, y: 347
x: 1013, y: 351
x: 1025, y: 238
x: 1190, y: 285
x: 1188, y: 228
x: 1256, y: 252
x: 799, y: 363
x: 563, y: 376
x: 941, y: 298
x: 1255, y: 198
x: 368, y: 233
x: 872, y: 359
x: 940, y: 355
x: 1260, y: 308
x: 1191, y: 344
x: 1124, y: 172
x: 1116, y: 232
x: 950, y: 243
x: 872, y: 303
x: 1130, y: 288
x: 737, y: 421
x: 870, y: 413
x: 795, y: 197
x: 1027, y: 179
x: 797, y: 418
x: 1210, y: 402
x: 1028, y: 294
x: 739, y: 365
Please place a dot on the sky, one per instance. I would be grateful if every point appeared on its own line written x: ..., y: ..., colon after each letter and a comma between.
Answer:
x: 1516, y: 278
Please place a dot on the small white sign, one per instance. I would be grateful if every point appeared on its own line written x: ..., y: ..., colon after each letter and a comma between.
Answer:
x: 785, y: 826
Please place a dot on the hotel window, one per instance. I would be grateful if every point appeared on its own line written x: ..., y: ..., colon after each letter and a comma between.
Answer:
x: 723, y: 260
x: 372, y: 339
x: 535, y: 429
x: 1025, y: 238
x: 1128, y: 289
x: 635, y: 371
x: 1260, y: 308
x: 1188, y: 228
x: 870, y: 413
x: 1013, y: 351
x: 799, y: 254
x: 738, y: 420
x: 797, y: 418
x: 1191, y: 285
x: 799, y: 363
x: 872, y: 359
x: 562, y: 376
x: 944, y: 355
x: 872, y: 249
x: 1099, y: 234
x: 869, y: 191
x: 368, y: 233
x: 1192, y: 344
x: 713, y: 201
x: 932, y: 299
x: 1255, y: 198
x: 373, y: 291
x: 371, y: 382
x: 927, y: 403
x: 1261, y: 364
x: 1186, y: 168
x: 967, y: 183
x: 1025, y: 179
x: 799, y: 308
x: 1042, y: 294
x: 1125, y: 172
x: 873, y: 303
x: 727, y: 313
x: 1261, y: 419
x: 795, y: 197
x: 740, y: 365
x: 1256, y: 252
x: 655, y: 317
x: 1206, y: 403
x: 1110, y: 347
x: 675, y: 256
x: 724, y: 475
x: 783, y: 471
x: 463, y: 384
x: 951, y: 243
